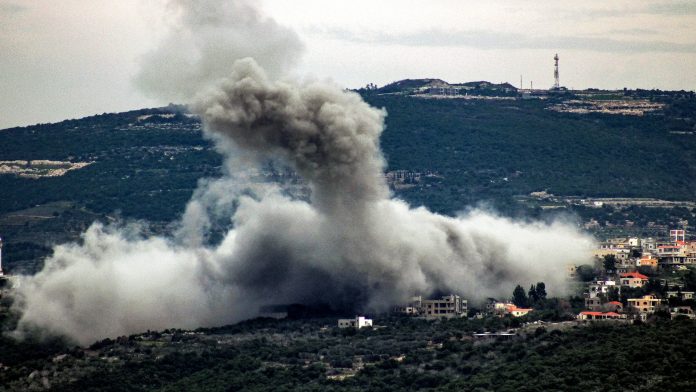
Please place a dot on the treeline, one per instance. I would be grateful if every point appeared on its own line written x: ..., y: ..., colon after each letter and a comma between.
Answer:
x: 403, y: 354
x: 494, y: 149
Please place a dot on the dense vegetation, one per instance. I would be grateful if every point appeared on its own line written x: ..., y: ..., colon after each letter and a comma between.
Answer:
x: 402, y: 354
x: 476, y: 150
x: 492, y: 149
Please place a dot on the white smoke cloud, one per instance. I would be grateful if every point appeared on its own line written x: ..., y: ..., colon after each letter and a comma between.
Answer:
x: 352, y: 244
x: 205, y: 39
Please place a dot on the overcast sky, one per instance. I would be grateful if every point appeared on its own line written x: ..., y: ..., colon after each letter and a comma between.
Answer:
x: 64, y: 59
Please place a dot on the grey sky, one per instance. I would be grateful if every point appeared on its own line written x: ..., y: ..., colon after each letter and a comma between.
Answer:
x: 71, y: 58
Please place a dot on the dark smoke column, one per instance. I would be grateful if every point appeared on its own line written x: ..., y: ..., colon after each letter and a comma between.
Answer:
x: 330, y: 136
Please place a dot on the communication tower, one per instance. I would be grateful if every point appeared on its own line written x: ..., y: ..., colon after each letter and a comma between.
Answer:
x: 1, y: 273
x: 556, y: 84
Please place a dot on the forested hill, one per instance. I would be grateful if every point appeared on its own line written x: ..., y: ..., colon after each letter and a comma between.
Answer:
x: 479, y: 142
x: 487, y: 149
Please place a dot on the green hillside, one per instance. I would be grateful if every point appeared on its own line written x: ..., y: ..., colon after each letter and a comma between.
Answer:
x: 448, y: 154
x: 403, y: 355
x: 491, y: 149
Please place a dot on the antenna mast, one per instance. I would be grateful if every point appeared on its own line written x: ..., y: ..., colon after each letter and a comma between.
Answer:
x: 556, y: 84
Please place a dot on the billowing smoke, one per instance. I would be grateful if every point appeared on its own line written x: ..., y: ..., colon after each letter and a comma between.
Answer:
x: 329, y: 136
x: 352, y: 244
x: 206, y: 38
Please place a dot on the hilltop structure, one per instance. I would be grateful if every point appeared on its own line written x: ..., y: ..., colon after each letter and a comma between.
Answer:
x: 1, y: 273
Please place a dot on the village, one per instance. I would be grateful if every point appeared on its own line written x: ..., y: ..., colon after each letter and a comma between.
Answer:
x: 642, y: 278
x: 632, y: 279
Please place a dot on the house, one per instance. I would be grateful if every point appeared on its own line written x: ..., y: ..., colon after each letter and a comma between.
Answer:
x: 620, y: 253
x: 588, y: 315
x: 633, y: 279
x: 647, y: 261
x: 646, y: 304
x: 601, y: 287
x: 675, y: 254
x: 593, y: 303
x: 408, y: 310
x: 683, y: 295
x: 412, y: 309
x: 626, y: 265
x: 497, y: 308
x: 682, y: 311
x: 503, y: 308
x: 597, y: 292
x: 648, y: 244
x: 514, y: 311
x: 448, y: 306
x: 357, y: 322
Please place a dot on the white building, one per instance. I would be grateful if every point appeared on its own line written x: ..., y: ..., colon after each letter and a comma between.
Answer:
x: 357, y: 322
x: 600, y: 287
x: 596, y: 289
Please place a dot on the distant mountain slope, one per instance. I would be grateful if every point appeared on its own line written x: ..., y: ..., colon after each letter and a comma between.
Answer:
x: 445, y: 153
x: 489, y: 149
x: 408, y: 86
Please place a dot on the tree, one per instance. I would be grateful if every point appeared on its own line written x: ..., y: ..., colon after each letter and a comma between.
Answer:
x: 519, y: 297
x: 532, y: 295
x: 541, y: 291
x: 585, y: 273
x: 609, y: 263
x: 690, y: 279
x: 613, y: 294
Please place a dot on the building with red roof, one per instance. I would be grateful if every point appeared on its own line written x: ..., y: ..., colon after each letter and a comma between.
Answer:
x: 588, y: 315
x: 633, y: 279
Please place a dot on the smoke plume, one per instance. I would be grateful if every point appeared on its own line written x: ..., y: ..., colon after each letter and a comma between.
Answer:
x: 352, y: 244
x: 206, y: 37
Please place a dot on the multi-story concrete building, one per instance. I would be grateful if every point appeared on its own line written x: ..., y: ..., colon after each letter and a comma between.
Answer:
x: 648, y: 244
x: 448, y: 306
x: 598, y: 290
x: 646, y: 304
x: 676, y: 254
